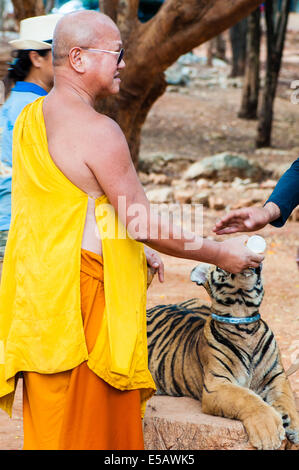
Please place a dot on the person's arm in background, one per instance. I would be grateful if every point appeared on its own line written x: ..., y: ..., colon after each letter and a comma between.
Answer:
x: 276, y: 210
x: 286, y: 194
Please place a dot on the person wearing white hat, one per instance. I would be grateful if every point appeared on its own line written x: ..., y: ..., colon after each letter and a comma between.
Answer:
x: 36, y: 33
x: 31, y: 72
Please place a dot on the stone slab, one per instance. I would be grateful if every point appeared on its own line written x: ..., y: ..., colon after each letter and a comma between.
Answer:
x: 177, y: 423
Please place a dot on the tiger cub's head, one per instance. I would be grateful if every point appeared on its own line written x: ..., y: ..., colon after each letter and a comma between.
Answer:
x: 235, y: 292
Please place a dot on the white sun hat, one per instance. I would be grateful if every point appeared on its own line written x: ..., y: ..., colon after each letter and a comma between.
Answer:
x: 36, y: 32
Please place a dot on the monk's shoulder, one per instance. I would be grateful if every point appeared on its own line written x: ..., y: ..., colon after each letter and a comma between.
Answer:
x: 107, y: 135
x: 105, y: 126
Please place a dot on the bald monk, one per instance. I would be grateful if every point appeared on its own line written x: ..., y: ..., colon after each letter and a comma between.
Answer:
x: 74, y: 320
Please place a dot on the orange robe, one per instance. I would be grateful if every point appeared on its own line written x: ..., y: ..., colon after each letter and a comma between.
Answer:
x: 77, y: 410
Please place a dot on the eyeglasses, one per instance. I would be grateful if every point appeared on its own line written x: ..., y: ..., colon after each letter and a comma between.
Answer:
x: 119, y: 53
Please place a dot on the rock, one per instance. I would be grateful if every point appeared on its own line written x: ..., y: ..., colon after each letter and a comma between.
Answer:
x: 158, y: 178
x: 271, y: 151
x: 154, y: 163
x: 188, y: 59
x: 242, y: 203
x: 225, y: 167
x: 237, y: 183
x: 268, y: 184
x: 154, y: 178
x: 177, y: 75
x: 219, y: 62
x: 216, y: 203
x: 203, y: 183
x: 160, y: 195
x: 240, y: 183
x: 177, y: 423
x: 183, y: 196
x: 166, y: 163
x: 143, y: 177
x: 179, y: 184
x: 180, y: 73
x: 201, y: 198
x: 255, y: 197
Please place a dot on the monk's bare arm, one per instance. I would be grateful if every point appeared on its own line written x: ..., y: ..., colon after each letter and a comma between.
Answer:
x: 109, y: 159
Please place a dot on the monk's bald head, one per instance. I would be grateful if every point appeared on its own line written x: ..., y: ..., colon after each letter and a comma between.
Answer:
x: 84, y: 28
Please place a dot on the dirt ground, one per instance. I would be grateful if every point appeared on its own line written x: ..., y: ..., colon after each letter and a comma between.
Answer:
x: 199, y: 121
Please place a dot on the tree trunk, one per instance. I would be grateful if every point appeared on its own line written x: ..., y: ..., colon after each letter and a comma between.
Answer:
x: 210, y: 53
x: 220, y: 47
x: 251, y: 85
x: 276, y: 30
x: 216, y: 48
x: 27, y: 8
x: 151, y: 47
x: 2, y: 5
x: 238, y: 34
x: 50, y: 4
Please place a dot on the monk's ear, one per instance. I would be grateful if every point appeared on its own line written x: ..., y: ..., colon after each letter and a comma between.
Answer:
x: 76, y: 59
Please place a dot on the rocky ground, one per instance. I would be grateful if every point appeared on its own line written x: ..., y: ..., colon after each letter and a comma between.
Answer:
x: 197, y: 120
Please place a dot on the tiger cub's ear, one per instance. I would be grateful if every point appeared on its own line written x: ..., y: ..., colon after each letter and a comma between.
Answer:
x: 199, y: 273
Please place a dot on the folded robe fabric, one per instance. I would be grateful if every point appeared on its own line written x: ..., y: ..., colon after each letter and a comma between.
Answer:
x: 76, y: 409
x: 40, y: 313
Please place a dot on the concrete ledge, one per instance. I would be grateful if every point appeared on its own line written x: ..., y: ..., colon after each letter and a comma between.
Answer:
x: 179, y: 424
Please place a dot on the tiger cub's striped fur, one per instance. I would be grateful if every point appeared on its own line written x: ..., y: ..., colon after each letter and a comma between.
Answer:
x: 234, y: 369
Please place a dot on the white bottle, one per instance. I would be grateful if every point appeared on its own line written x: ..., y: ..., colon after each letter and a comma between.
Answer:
x: 256, y: 243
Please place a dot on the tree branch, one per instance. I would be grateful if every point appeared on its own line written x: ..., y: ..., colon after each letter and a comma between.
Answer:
x: 49, y: 6
x: 181, y: 25
x: 283, y: 21
x: 27, y: 9
x: 127, y: 17
x: 109, y: 7
x: 130, y: 7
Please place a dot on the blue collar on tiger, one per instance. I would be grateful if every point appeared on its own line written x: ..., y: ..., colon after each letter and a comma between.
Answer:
x: 235, y: 320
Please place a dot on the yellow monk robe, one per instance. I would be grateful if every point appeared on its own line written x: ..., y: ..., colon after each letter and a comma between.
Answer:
x: 41, y: 327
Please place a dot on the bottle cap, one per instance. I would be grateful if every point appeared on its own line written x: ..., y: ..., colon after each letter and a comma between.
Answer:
x: 256, y: 243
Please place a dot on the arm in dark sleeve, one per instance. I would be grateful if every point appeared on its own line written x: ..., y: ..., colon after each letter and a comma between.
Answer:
x: 286, y: 194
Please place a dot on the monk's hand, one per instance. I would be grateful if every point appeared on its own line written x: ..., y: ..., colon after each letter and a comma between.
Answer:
x: 154, y: 261
x: 234, y: 256
x: 248, y: 219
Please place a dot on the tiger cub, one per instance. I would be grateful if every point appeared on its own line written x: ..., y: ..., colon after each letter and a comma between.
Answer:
x: 234, y: 368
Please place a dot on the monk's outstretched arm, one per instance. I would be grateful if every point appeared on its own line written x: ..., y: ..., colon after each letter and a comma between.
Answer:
x: 109, y: 159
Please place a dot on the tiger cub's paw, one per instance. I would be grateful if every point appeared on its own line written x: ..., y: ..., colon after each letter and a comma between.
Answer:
x: 265, y: 429
x: 291, y: 428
